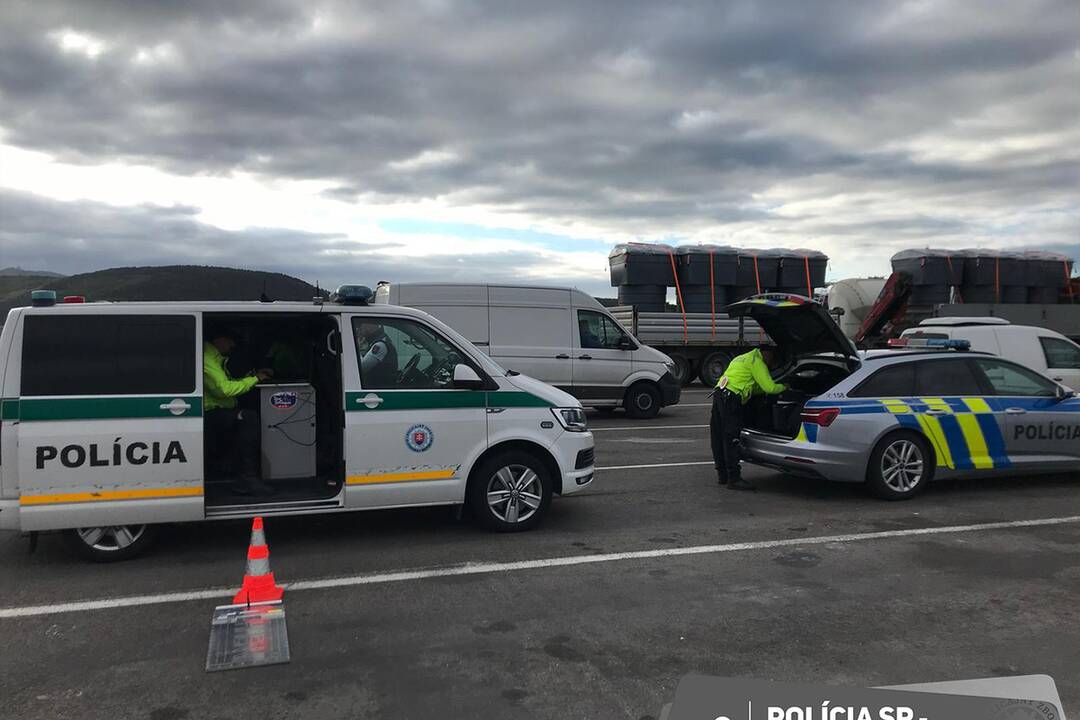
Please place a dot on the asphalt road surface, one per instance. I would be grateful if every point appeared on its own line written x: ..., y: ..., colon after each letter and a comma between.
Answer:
x: 652, y: 573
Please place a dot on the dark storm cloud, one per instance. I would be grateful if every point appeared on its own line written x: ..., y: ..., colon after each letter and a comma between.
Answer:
x: 633, y: 115
x: 77, y: 237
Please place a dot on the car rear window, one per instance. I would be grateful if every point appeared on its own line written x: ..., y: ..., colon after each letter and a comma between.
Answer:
x: 108, y: 355
x: 892, y: 381
x: 946, y: 377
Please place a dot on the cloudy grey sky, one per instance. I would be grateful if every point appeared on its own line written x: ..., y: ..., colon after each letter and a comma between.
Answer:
x: 497, y: 140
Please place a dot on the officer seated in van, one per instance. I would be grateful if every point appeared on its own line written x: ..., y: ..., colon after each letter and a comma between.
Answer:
x: 232, y: 434
x: 378, y: 356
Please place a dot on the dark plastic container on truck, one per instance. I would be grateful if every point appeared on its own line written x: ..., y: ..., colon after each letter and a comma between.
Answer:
x: 980, y: 267
x: 757, y: 268
x: 1045, y: 295
x: 796, y: 264
x: 641, y: 264
x: 1014, y: 271
x: 928, y: 267
x: 693, y: 261
x: 979, y: 294
x: 646, y: 298
x: 928, y: 295
x: 701, y: 299
x: 1047, y: 269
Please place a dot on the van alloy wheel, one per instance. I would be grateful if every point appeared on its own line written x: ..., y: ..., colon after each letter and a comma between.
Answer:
x: 902, y: 465
x: 111, y: 538
x: 514, y: 493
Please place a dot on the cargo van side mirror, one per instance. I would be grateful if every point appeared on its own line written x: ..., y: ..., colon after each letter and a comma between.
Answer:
x: 466, y: 378
x: 626, y: 343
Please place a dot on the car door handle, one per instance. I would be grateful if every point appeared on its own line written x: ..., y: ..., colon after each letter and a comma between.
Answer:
x: 584, y: 357
x: 176, y: 407
x: 1016, y: 411
x: 937, y: 411
x: 370, y: 400
x: 562, y: 356
x: 1058, y: 379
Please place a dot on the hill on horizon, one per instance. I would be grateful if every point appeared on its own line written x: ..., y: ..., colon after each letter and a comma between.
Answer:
x: 158, y: 283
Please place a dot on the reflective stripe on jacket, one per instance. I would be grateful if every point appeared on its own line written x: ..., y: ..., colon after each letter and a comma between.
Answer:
x: 748, y: 374
x: 219, y: 389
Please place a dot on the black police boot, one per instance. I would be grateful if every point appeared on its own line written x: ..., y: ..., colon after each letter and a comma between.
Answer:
x: 721, y: 477
x: 737, y: 482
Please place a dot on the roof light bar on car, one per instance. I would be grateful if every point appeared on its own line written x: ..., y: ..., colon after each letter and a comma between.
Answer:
x: 930, y: 343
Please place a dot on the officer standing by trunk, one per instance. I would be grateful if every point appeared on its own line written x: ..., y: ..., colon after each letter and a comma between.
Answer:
x: 746, y: 375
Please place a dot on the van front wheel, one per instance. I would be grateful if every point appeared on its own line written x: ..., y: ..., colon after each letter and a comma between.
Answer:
x: 111, y: 542
x: 510, y: 491
x: 643, y: 401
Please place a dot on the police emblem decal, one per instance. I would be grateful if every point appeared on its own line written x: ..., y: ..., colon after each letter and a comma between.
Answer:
x: 283, y: 400
x: 419, y: 437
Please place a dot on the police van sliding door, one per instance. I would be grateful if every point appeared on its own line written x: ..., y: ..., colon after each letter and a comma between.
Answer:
x: 110, y: 419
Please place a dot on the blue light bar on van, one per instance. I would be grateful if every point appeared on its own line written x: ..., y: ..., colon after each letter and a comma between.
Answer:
x: 930, y: 343
x: 352, y: 295
x: 42, y: 298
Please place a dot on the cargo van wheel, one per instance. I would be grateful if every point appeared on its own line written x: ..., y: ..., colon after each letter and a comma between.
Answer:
x: 510, y: 491
x: 110, y: 543
x: 642, y: 401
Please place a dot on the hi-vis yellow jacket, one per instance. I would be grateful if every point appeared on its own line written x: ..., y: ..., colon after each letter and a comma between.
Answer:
x: 748, y: 375
x: 219, y: 389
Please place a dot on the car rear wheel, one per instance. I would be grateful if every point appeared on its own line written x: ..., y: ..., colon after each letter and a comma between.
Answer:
x: 110, y: 543
x: 712, y: 367
x: 643, y: 401
x: 510, y: 491
x: 900, y: 466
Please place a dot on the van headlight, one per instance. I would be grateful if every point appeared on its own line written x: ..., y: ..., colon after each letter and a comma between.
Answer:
x: 571, y: 418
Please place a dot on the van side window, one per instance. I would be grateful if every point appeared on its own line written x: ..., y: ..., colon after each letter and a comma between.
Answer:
x: 402, y: 354
x: 1060, y: 353
x: 597, y: 330
x: 1009, y: 379
x: 895, y: 381
x: 108, y: 355
x: 935, y: 378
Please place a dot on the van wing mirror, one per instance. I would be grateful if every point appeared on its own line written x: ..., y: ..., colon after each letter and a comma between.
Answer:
x: 626, y: 343
x: 466, y: 378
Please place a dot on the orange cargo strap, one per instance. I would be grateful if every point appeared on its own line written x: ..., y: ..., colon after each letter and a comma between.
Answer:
x: 712, y: 291
x: 678, y: 293
x: 1068, y: 281
x: 757, y: 275
x: 997, y: 279
x: 806, y: 264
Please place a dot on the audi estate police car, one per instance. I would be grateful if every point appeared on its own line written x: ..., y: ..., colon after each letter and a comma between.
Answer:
x: 896, y: 419
x: 102, y: 431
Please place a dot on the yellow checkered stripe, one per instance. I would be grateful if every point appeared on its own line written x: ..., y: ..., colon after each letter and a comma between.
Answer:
x: 964, y: 432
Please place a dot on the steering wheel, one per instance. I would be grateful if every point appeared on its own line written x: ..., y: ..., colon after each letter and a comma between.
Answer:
x: 408, y: 369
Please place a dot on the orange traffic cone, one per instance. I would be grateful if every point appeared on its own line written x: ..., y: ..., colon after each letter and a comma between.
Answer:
x: 259, y: 583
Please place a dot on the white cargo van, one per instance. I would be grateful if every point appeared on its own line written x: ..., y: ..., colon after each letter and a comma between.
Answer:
x: 102, y: 423
x: 561, y: 336
x: 1046, y: 351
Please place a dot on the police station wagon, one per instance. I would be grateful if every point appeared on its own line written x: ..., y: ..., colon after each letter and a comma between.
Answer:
x: 896, y: 419
x: 102, y: 432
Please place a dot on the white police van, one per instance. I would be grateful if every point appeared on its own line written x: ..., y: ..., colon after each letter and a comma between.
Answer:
x: 102, y: 431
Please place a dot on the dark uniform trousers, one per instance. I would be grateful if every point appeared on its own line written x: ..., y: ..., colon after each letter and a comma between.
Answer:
x: 725, y: 424
x: 232, y: 439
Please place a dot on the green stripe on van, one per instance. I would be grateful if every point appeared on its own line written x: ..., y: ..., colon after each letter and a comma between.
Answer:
x: 102, y: 408
x: 9, y: 409
x: 441, y: 399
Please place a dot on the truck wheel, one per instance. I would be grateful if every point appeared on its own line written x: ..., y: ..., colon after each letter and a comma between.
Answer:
x: 642, y: 401
x: 900, y: 466
x: 510, y: 491
x: 712, y: 367
x: 683, y: 370
x: 110, y: 543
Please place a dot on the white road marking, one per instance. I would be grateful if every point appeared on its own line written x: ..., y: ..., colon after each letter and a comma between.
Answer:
x: 654, y: 465
x: 648, y: 427
x: 708, y: 404
x: 486, y: 568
